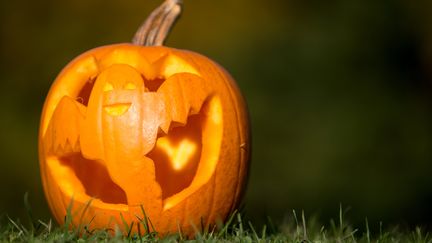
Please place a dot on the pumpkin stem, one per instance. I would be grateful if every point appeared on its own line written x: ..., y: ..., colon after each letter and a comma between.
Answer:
x: 156, y: 27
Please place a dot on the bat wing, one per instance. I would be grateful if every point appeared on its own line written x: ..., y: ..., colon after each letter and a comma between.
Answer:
x: 63, y: 132
x: 155, y: 114
x: 184, y: 94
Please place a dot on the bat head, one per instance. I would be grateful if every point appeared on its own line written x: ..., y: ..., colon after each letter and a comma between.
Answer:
x: 116, y: 89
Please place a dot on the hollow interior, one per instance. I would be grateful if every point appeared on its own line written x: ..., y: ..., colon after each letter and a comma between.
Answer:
x: 95, y: 179
x: 153, y: 85
x: 177, y: 156
x: 84, y: 95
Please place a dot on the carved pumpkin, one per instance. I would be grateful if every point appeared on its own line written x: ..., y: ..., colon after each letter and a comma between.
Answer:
x: 127, y: 128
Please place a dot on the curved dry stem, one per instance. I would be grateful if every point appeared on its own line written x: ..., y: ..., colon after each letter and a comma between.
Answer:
x: 155, y: 29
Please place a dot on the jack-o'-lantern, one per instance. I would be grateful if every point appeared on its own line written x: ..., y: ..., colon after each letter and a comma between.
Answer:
x: 141, y: 131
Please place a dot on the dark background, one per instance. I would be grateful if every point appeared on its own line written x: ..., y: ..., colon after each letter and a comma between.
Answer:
x: 339, y: 94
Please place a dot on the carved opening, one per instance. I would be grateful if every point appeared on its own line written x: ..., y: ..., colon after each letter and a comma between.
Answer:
x: 95, y: 179
x: 177, y: 155
x: 153, y: 84
x: 84, y: 95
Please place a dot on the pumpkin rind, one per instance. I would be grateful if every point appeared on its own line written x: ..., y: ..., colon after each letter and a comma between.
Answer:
x: 211, y: 196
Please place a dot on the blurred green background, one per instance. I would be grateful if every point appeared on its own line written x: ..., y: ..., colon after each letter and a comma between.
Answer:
x: 339, y: 94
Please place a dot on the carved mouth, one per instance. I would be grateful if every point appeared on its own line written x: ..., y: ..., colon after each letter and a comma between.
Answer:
x: 117, y: 109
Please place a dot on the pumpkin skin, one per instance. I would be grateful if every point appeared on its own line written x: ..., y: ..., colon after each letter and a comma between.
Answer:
x: 127, y: 128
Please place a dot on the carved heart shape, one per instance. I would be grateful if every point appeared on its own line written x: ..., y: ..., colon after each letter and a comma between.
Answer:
x: 179, y: 155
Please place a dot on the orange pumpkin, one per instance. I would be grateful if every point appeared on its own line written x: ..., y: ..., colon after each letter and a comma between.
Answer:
x: 130, y: 131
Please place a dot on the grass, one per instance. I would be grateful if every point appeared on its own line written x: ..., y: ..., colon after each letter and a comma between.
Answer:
x: 236, y: 229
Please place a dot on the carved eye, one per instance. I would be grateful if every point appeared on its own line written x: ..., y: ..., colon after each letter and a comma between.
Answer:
x: 130, y: 86
x: 108, y: 87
